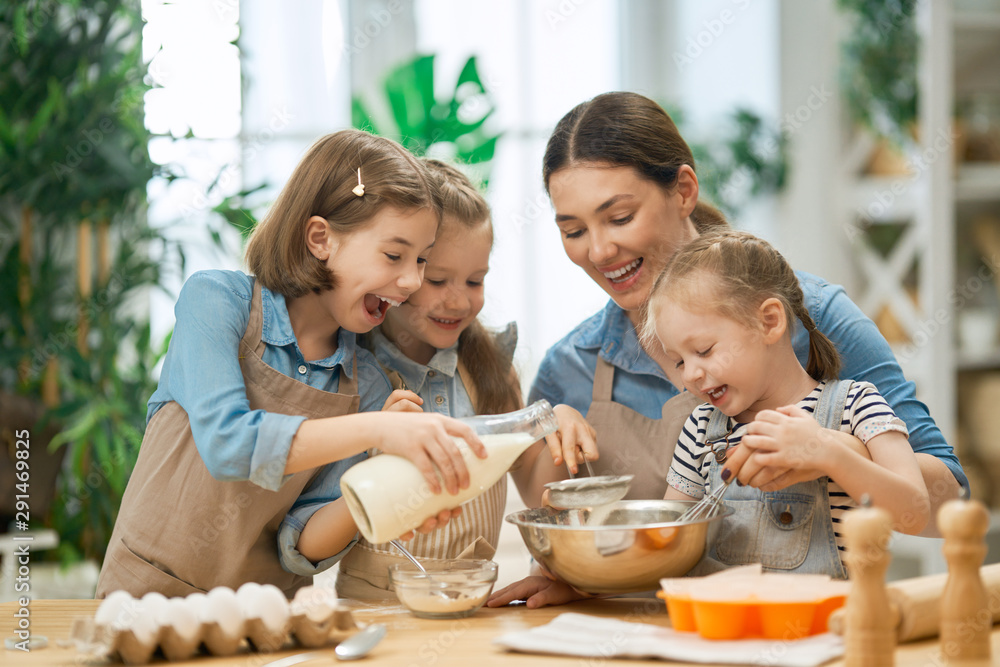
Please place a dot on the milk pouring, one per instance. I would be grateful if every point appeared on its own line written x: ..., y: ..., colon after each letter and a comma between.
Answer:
x: 388, y: 496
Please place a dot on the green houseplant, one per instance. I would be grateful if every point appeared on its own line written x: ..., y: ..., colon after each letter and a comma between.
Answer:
x: 878, y: 66
x: 76, y: 352
x: 455, y: 126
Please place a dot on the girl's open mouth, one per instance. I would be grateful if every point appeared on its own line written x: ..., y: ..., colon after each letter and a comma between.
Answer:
x: 376, y: 307
x: 716, y: 395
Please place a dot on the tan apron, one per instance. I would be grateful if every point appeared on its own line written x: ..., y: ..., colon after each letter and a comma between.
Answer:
x: 631, y: 443
x: 180, y: 530
x: 364, y: 571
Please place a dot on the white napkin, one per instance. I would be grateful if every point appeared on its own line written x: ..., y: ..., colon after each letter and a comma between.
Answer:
x: 594, y: 636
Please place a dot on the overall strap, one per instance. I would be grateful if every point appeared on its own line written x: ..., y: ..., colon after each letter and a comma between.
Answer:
x: 832, y: 401
x: 718, y: 426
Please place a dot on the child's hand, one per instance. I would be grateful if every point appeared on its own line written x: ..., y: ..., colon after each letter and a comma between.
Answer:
x: 574, y: 434
x: 426, y: 440
x: 403, y: 400
x: 788, y: 438
x: 440, y: 520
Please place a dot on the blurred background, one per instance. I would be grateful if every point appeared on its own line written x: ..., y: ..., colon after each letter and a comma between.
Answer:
x: 140, y: 141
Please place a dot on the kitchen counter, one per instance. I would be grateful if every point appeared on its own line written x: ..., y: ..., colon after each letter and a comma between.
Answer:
x: 410, y: 640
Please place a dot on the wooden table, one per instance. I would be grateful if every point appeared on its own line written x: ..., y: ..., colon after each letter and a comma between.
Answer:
x: 410, y: 642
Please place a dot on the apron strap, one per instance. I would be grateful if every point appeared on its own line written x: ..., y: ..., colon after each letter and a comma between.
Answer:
x: 349, y: 385
x: 470, y: 387
x: 604, y: 379
x: 832, y: 401
x: 255, y: 325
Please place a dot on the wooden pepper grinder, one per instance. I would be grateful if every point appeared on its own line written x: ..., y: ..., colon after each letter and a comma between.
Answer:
x: 870, y: 627
x: 966, y: 618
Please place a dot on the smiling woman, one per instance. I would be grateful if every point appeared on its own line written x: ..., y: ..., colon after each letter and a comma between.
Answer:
x: 625, y: 190
x: 263, y: 377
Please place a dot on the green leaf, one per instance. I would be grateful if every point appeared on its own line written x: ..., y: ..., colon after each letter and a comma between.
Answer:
x: 481, y: 153
x: 469, y: 74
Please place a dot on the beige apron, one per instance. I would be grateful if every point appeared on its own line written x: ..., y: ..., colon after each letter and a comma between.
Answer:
x: 180, y: 530
x: 364, y: 571
x: 631, y: 443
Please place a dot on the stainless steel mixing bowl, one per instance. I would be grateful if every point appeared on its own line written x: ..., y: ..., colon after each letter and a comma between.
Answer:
x: 621, y: 548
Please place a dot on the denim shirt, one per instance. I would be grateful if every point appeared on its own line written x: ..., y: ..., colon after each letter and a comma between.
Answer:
x: 566, y: 374
x: 201, y: 372
x: 438, y: 383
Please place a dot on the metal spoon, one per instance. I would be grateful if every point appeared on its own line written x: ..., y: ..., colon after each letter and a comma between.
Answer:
x: 358, y: 645
x: 409, y: 556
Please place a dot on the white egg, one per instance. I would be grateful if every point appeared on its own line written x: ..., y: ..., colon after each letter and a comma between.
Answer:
x: 112, y: 607
x: 223, y: 607
x: 266, y: 603
x: 316, y: 603
x: 181, y: 617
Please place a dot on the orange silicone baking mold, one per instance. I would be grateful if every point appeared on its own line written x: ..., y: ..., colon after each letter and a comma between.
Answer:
x: 745, y: 605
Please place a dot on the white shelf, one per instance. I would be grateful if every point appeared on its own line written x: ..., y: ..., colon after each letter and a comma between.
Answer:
x: 977, y: 20
x: 886, y: 198
x: 978, y: 182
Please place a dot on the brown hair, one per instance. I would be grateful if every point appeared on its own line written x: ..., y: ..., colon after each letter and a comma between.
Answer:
x: 626, y: 129
x: 745, y: 270
x: 490, y: 368
x: 322, y: 185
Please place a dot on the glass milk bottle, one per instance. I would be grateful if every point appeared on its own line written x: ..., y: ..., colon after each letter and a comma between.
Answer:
x: 388, y: 496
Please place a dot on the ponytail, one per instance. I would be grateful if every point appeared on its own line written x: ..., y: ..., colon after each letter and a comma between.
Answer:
x: 824, y: 360
x: 707, y: 218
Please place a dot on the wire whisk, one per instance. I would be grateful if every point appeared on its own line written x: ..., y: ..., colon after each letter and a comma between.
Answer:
x: 706, y: 507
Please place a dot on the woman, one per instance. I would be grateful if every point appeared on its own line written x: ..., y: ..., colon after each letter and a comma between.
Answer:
x: 623, y: 185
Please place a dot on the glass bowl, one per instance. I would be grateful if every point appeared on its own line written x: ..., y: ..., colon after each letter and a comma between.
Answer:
x: 449, y: 588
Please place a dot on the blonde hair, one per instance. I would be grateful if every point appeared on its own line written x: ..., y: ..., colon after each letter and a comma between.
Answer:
x: 322, y: 185
x: 744, y: 271
x: 490, y: 369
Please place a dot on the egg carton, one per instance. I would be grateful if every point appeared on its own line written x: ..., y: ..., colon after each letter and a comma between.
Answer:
x: 223, y: 621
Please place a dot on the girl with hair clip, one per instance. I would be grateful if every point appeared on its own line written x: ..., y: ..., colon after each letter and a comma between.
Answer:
x: 723, y: 312
x: 263, y: 381
x: 440, y: 358
x: 623, y: 185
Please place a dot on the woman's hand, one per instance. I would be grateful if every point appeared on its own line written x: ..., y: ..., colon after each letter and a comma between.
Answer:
x: 536, y: 591
x: 403, y: 400
x: 426, y: 440
x: 574, y: 437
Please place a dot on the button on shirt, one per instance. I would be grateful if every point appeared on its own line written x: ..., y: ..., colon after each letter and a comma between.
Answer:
x: 566, y: 374
x: 201, y: 372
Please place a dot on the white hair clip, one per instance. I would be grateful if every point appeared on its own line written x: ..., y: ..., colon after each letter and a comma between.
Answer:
x: 359, y: 189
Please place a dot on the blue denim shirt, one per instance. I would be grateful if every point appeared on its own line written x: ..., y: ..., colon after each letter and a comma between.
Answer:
x: 438, y: 383
x: 201, y: 372
x: 566, y: 374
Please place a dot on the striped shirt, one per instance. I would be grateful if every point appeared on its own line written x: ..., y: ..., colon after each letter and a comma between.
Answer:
x: 866, y: 414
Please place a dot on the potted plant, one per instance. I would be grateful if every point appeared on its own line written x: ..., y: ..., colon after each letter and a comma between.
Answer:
x: 878, y: 74
x: 76, y: 354
x: 454, y: 127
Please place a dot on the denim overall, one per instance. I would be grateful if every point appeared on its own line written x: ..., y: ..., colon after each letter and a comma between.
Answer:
x: 785, y: 531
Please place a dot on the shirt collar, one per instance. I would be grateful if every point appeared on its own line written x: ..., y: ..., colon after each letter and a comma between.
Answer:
x: 414, y: 374
x: 277, y: 331
x: 612, y: 332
